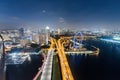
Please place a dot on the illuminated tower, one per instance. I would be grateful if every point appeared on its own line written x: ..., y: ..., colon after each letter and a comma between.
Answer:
x: 47, y: 34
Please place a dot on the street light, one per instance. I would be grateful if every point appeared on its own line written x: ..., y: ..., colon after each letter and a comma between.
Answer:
x: 2, y: 64
x: 47, y: 29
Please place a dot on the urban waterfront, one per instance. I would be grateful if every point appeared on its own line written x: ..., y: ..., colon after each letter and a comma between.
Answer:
x: 106, y: 66
x: 84, y: 67
x: 25, y: 71
x: 59, y: 39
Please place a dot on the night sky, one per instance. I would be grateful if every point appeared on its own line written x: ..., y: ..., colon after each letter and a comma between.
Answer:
x: 54, y: 13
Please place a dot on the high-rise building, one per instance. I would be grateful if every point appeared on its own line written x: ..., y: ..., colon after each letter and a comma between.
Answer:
x: 21, y: 30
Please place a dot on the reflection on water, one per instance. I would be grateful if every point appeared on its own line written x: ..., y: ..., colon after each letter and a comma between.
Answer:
x: 104, y: 67
x: 25, y: 71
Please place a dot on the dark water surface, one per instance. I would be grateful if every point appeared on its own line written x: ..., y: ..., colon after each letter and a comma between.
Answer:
x: 104, y: 67
x: 25, y: 71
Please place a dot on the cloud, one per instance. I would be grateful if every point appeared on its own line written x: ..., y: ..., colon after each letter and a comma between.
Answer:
x: 43, y: 11
x: 61, y: 20
x: 15, y: 18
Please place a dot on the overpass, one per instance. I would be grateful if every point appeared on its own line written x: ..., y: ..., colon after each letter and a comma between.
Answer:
x: 45, y: 72
x: 65, y: 68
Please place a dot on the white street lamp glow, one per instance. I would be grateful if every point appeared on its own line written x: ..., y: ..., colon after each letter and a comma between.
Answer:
x: 47, y: 27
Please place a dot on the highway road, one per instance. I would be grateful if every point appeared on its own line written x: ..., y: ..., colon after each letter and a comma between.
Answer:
x: 65, y: 69
x: 47, y: 70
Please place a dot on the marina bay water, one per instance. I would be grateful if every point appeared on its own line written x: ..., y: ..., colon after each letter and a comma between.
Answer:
x: 106, y: 66
x: 25, y: 71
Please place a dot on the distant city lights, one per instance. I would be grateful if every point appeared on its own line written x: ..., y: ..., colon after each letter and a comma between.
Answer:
x: 116, y: 37
x: 110, y: 40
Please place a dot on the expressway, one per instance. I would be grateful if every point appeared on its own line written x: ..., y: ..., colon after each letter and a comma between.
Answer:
x: 47, y: 69
x: 65, y: 69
